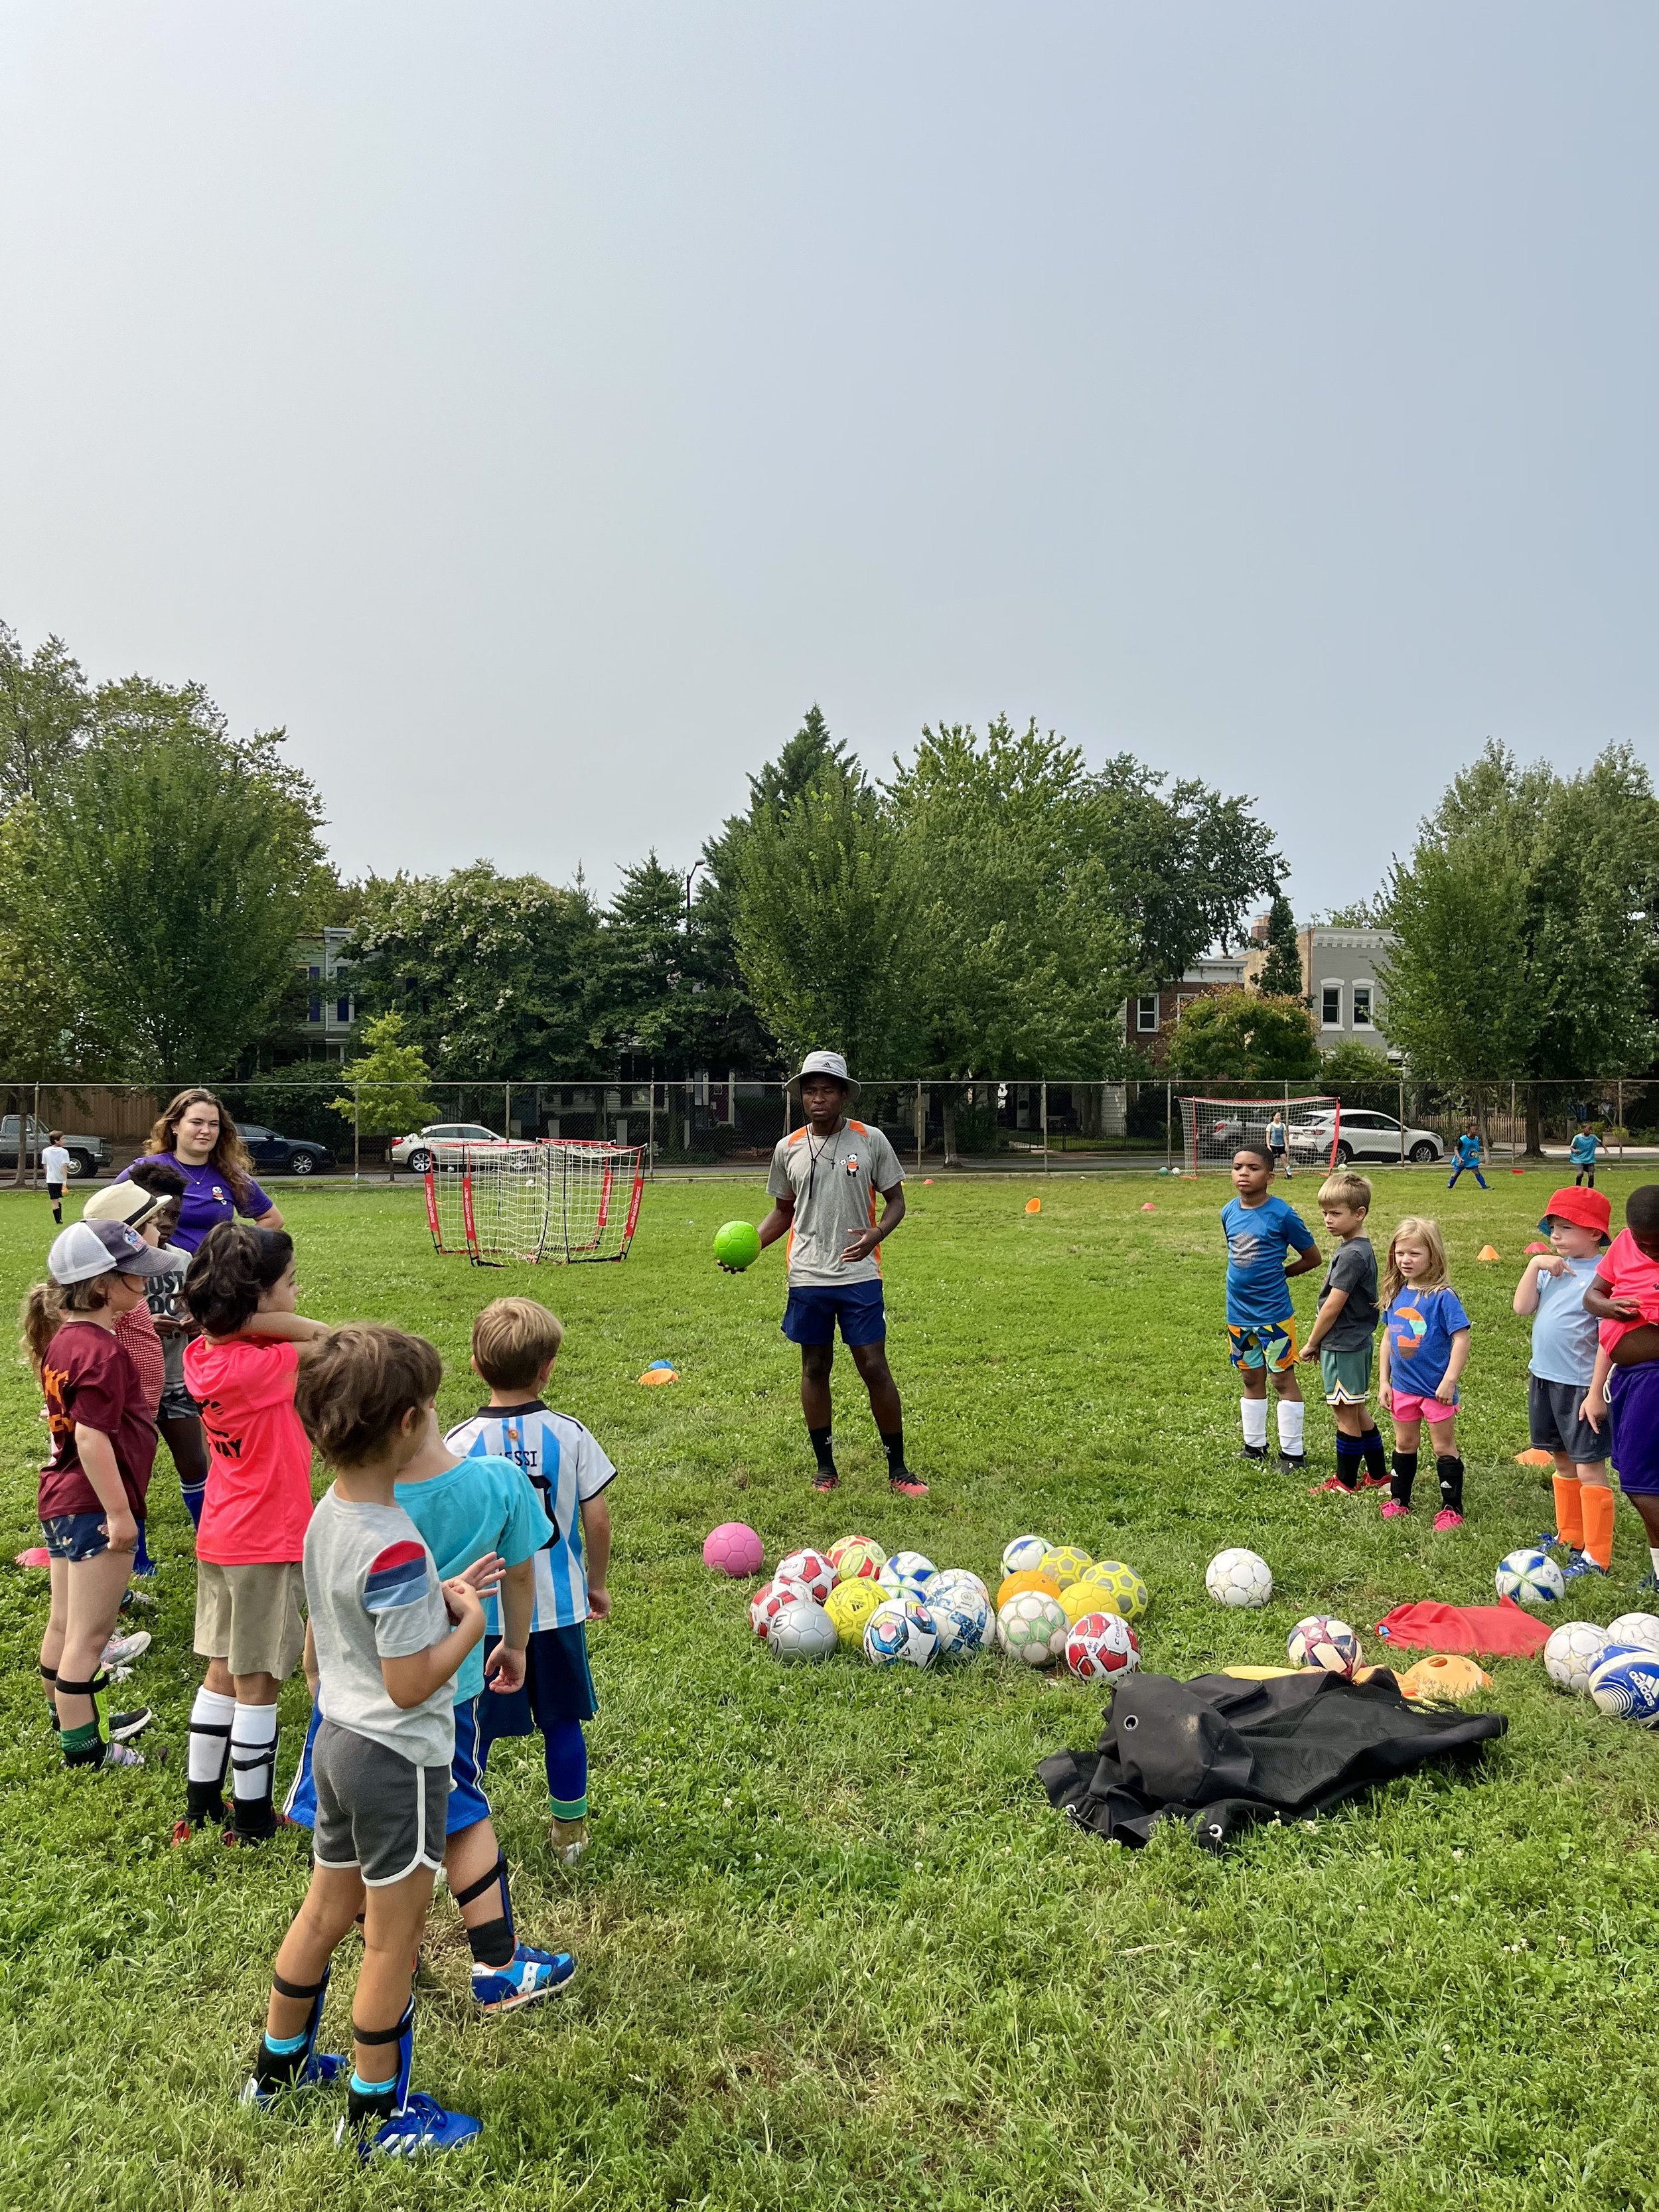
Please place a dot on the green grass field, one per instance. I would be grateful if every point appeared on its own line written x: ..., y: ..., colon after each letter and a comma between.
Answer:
x: 834, y: 1948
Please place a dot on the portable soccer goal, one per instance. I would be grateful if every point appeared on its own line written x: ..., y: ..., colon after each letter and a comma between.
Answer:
x: 557, y: 1198
x: 1211, y: 1129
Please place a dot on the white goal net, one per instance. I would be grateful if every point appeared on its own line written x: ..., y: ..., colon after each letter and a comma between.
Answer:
x: 1211, y: 1129
x: 556, y: 1199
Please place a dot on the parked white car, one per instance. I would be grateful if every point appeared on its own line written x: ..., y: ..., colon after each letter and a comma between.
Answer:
x: 1364, y: 1134
x: 440, y: 1143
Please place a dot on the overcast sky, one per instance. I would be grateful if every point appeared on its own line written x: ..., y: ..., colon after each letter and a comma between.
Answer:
x: 535, y: 408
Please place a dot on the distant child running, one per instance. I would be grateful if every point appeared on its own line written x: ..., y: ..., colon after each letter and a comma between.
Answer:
x: 823, y: 1183
x: 1624, y: 1297
x: 1582, y: 1153
x: 1260, y: 1318
x: 1562, y: 1371
x: 1425, y: 1348
x: 250, y: 1547
x: 55, y: 1159
x: 390, y: 1639
x: 1279, y: 1146
x: 1341, y: 1337
x: 1467, y: 1155
x: 92, y: 1489
x: 514, y: 1344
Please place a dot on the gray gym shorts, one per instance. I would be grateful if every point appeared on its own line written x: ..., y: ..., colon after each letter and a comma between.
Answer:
x: 376, y: 1810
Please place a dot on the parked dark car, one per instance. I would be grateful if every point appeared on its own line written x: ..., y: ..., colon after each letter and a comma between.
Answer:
x: 277, y: 1155
x: 88, y: 1156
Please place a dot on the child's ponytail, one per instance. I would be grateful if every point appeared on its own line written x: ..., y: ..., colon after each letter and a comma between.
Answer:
x: 48, y: 1306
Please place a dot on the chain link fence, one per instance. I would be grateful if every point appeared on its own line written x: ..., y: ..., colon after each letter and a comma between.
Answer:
x: 303, y: 1123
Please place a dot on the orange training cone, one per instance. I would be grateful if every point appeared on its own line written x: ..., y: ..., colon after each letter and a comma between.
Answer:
x: 1488, y: 1252
x: 1534, y: 1459
x: 1034, y: 1205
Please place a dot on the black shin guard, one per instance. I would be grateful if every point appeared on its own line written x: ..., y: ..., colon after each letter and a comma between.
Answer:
x: 367, y: 2106
x: 893, y: 1444
x: 493, y: 1942
x: 49, y: 1677
x: 1450, y: 1472
x: 1405, y: 1473
x: 280, y: 2070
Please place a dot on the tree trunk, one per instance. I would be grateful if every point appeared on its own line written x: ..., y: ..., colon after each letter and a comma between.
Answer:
x: 1535, y: 1124
x: 948, y: 1112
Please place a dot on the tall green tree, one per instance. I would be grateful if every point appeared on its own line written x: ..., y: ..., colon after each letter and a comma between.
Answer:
x: 387, y: 1084
x: 46, y: 717
x: 660, y: 993
x: 1242, y: 1037
x: 1186, y: 864
x: 1280, y: 976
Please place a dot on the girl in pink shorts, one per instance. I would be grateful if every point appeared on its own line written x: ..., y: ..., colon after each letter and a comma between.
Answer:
x: 1425, y: 1348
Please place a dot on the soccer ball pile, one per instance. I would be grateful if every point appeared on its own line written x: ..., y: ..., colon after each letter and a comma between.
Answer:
x: 1057, y: 1602
x: 1617, y: 1667
x: 902, y: 1611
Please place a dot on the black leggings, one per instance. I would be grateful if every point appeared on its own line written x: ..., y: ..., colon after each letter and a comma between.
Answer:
x: 1585, y: 1175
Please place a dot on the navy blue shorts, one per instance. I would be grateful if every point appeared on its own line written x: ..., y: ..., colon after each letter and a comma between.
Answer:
x: 558, y: 1686
x: 467, y: 1804
x: 76, y: 1536
x: 1633, y: 1397
x: 814, y: 1309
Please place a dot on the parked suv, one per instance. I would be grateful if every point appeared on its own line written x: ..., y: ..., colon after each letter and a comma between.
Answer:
x: 1364, y: 1134
x: 440, y: 1143
x: 284, y: 1155
x: 88, y: 1156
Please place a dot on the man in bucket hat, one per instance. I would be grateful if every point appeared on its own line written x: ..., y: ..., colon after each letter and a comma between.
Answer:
x: 824, y: 1179
x: 1563, y: 1365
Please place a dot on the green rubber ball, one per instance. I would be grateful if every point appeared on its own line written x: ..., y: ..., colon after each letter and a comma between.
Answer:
x: 737, y: 1245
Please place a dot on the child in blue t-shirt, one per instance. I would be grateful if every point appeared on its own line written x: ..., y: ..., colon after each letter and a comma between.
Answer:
x: 1582, y: 1152
x: 1467, y: 1154
x: 1425, y: 1348
x: 1260, y: 1231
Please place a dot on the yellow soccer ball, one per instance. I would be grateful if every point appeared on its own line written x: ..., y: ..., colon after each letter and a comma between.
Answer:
x: 1078, y: 1598
x: 1066, y: 1564
x: 849, y: 1605
x: 1117, y: 1588
x: 857, y: 1559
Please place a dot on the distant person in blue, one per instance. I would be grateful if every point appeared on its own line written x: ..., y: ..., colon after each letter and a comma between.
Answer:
x: 1261, y: 1230
x: 1582, y: 1152
x: 1277, y: 1145
x: 1467, y: 1155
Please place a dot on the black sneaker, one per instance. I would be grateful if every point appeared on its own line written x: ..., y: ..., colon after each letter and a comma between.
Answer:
x: 1293, y: 1463
x: 122, y: 1725
x: 1257, y: 1452
x: 825, y: 1482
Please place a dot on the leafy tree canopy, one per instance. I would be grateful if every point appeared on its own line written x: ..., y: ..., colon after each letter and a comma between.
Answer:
x: 1280, y: 976
x: 387, y: 1084
x: 1243, y: 1037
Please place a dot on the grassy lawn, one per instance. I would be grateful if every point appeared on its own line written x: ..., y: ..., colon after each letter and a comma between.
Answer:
x: 834, y: 1948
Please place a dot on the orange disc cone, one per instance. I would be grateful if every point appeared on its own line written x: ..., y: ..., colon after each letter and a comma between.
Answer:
x: 1534, y: 1459
x: 1034, y: 1205
x: 1488, y: 1252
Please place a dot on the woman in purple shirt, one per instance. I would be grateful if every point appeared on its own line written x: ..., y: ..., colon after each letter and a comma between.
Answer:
x: 197, y: 1136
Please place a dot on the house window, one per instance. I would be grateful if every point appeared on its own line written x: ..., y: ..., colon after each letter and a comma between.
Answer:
x: 343, y: 1010
x: 1331, y: 999
x: 1362, y: 1005
x: 1146, y: 1013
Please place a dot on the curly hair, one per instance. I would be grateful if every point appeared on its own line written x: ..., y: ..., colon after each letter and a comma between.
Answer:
x: 234, y: 1266
x: 354, y: 1388
x: 230, y: 1156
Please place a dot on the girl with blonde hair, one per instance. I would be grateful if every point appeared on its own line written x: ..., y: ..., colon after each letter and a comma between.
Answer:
x: 1425, y: 1348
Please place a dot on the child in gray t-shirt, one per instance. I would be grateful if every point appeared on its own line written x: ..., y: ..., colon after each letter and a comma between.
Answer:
x: 386, y: 1653
x: 1341, y: 1337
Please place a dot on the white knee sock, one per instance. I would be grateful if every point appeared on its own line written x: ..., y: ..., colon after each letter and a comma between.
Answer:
x: 1653, y: 1553
x: 1255, y: 1414
x: 1291, y: 1411
x: 209, y: 1752
x: 253, y: 1750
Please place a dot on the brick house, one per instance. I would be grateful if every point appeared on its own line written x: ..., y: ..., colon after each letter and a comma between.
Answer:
x: 1148, y: 1019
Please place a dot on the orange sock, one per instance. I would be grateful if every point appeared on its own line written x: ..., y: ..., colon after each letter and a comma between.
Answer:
x: 1598, y: 1522
x: 1569, y: 1511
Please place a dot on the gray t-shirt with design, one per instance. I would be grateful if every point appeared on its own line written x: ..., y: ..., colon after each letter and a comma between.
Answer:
x: 373, y: 1590
x: 833, y: 1184
x: 1352, y: 1269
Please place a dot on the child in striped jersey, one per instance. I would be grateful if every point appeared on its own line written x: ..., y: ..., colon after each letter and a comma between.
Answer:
x: 514, y: 1344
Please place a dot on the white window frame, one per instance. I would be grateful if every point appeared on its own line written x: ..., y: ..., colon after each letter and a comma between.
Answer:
x: 1363, y: 983
x: 1331, y: 983
x: 1145, y: 1001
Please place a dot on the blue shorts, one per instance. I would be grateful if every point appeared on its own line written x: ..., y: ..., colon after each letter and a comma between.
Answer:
x: 76, y: 1536
x: 814, y: 1309
x: 1633, y: 1427
x: 467, y: 1803
x: 558, y: 1686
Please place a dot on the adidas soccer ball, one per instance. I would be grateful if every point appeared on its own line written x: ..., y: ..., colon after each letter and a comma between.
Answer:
x: 857, y: 1559
x: 907, y: 1574
x: 1635, y: 1628
x: 900, y: 1632
x: 1100, y: 1646
x: 771, y: 1599
x: 1031, y: 1626
x: 1024, y: 1554
x: 849, y: 1606
x: 1118, y: 1588
x: 811, y: 1570
x: 1239, y: 1577
x: 1532, y: 1577
x: 1571, y: 1653
x: 801, y: 1629
x: 733, y: 1549
x: 1320, y: 1641
x: 1064, y: 1565
x: 1078, y: 1598
x: 958, y: 1578
x: 962, y: 1616
x: 1624, y: 1684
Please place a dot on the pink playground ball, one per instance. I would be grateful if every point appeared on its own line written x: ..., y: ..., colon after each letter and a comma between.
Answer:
x: 733, y: 1549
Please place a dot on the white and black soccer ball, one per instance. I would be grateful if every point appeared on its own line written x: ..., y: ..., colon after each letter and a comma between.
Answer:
x: 963, y: 1616
x: 1572, y: 1653
x: 801, y: 1630
x: 1239, y: 1577
x: 900, y: 1632
x: 1323, y: 1642
x: 1624, y: 1684
x: 1635, y: 1628
x: 1530, y: 1576
x: 1024, y: 1555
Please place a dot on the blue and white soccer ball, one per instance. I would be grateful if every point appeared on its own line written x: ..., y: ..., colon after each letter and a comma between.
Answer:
x: 1573, y: 1653
x: 963, y: 1618
x: 1624, y: 1684
x: 1530, y: 1576
x: 901, y: 1631
x: 1024, y: 1555
x: 949, y: 1578
x: 907, y: 1574
x: 1323, y: 1642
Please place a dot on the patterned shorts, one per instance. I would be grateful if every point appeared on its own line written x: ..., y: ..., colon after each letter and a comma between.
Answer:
x: 1270, y: 1343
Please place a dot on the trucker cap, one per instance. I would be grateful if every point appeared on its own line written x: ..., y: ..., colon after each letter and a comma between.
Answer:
x: 87, y: 1248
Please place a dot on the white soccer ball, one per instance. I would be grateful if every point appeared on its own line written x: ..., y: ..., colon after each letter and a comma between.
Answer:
x: 1100, y: 1646
x: 957, y: 1579
x: 900, y: 1632
x: 1033, y: 1626
x: 1024, y: 1555
x: 1239, y: 1577
x: 1572, y: 1653
x: 771, y: 1599
x: 1322, y: 1642
x: 811, y: 1570
x: 908, y: 1574
x: 801, y: 1629
x: 1624, y: 1684
x: 1635, y: 1628
x: 1530, y: 1576
x: 962, y: 1616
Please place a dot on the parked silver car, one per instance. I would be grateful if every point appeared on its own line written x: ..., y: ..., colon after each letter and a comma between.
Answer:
x: 438, y: 1143
x: 1362, y: 1134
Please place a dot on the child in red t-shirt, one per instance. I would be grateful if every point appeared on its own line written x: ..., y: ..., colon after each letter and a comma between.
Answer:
x: 250, y: 1545
x: 92, y: 1489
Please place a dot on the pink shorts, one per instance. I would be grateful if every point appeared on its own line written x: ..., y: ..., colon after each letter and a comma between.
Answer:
x: 1408, y: 1407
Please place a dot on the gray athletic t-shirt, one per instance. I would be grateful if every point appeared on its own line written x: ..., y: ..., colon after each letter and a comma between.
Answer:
x: 833, y: 1185
x: 1352, y: 1269
x: 373, y: 1591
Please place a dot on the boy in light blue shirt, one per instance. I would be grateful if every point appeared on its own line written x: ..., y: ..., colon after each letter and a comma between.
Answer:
x: 1582, y: 1152
x: 1261, y: 1229
x: 1467, y: 1155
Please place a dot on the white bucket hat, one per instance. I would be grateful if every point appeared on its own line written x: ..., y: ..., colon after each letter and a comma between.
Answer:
x: 824, y: 1063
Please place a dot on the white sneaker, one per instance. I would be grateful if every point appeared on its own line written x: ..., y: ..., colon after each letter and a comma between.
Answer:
x: 122, y: 1650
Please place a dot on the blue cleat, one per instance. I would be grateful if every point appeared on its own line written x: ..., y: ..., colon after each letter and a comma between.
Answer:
x: 321, y: 2070
x: 1581, y: 1563
x: 421, y: 2127
x: 528, y: 1974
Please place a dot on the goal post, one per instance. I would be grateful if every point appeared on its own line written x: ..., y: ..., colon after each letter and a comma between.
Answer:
x: 557, y: 1199
x: 1211, y: 1130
